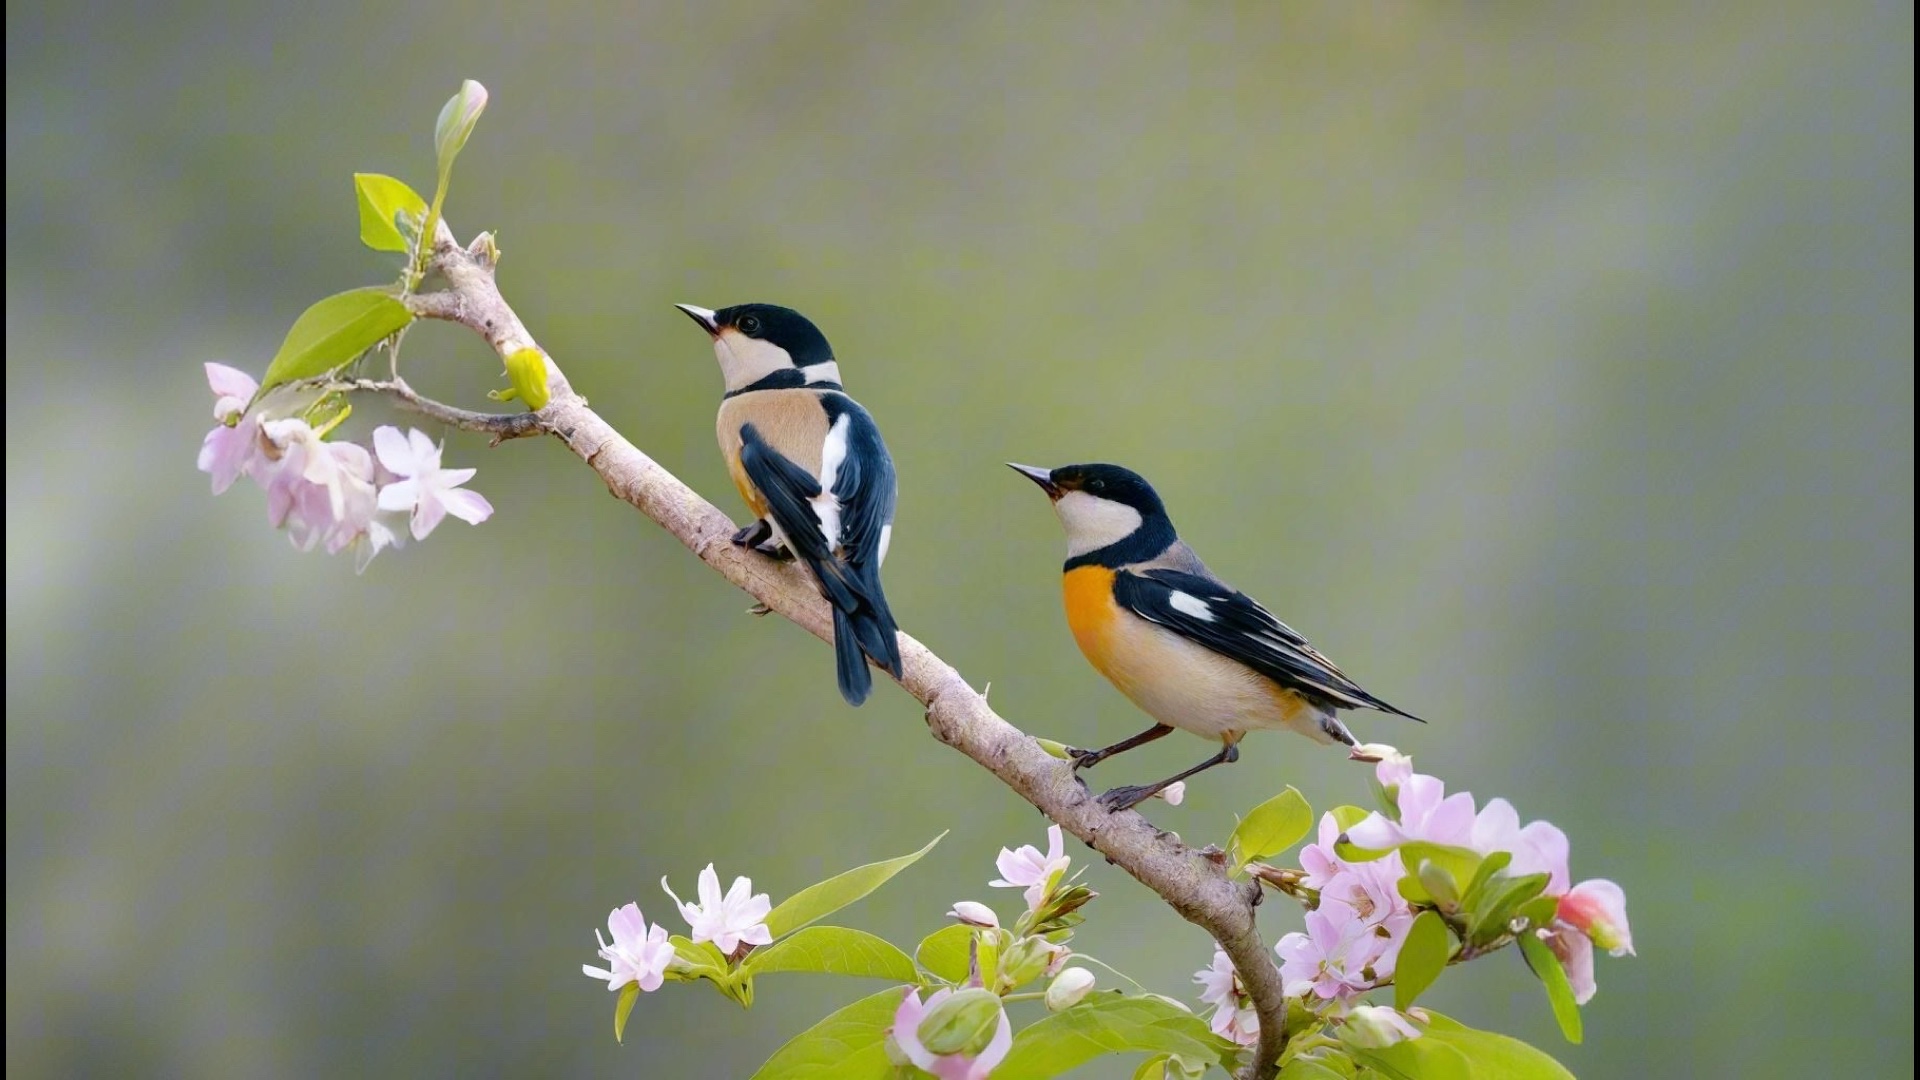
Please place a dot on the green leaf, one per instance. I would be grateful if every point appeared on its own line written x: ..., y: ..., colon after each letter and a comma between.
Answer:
x: 943, y: 953
x: 833, y: 950
x: 1110, y: 1024
x: 848, y: 1045
x: 1422, y: 958
x: 382, y: 201
x: 1483, y: 878
x: 1461, y: 863
x: 1170, y: 1067
x: 1310, y: 1069
x: 629, y: 994
x: 1559, y: 988
x: 706, y: 959
x: 1438, y: 884
x: 1502, y: 898
x: 1423, y: 1058
x: 819, y: 901
x: 1495, y: 1056
x: 1271, y: 828
x: 334, y: 332
x: 1346, y: 817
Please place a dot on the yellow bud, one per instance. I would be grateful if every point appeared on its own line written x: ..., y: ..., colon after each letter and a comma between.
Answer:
x: 527, y: 371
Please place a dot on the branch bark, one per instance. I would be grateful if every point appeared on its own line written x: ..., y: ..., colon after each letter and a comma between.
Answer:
x: 1192, y: 882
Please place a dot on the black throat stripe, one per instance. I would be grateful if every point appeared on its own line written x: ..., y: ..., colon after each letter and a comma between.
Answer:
x: 1154, y: 536
x: 784, y: 379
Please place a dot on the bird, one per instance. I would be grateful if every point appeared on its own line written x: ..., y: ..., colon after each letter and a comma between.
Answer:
x: 1190, y: 650
x: 811, y: 465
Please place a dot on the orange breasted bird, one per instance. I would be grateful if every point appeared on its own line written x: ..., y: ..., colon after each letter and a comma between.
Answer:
x: 810, y: 464
x: 1192, y: 651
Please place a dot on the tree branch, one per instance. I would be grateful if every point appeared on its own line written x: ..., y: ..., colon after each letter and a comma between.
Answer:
x: 1192, y: 882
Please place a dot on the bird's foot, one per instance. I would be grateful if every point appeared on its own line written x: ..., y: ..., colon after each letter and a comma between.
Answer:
x: 753, y: 535
x: 775, y: 550
x: 1084, y: 759
x: 1125, y: 798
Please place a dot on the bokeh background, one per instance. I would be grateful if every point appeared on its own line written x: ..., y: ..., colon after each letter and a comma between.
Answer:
x: 1549, y: 365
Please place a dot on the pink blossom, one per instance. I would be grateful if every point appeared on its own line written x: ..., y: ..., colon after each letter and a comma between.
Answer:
x: 1598, y: 909
x: 739, y: 916
x: 1539, y: 848
x: 425, y: 491
x: 1028, y: 869
x: 906, y: 1034
x: 1427, y: 812
x: 1317, y: 859
x: 1219, y: 983
x: 1240, y: 1025
x: 1220, y: 987
x: 1576, y: 956
x: 1330, y: 958
x: 228, y: 451
x: 639, y: 954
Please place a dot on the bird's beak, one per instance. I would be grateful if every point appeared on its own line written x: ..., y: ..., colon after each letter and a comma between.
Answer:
x: 1043, y: 477
x: 702, y: 316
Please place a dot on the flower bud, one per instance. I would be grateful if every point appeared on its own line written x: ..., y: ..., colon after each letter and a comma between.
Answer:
x: 1069, y: 988
x: 975, y: 914
x: 457, y: 118
x: 1173, y: 793
x: 1375, y: 752
x: 1598, y: 909
x: 962, y: 1024
x: 1056, y: 749
x: 1375, y: 1027
x: 527, y: 371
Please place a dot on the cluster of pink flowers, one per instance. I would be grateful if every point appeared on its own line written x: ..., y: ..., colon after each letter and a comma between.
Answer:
x: 332, y: 494
x: 643, y: 954
x: 1353, y: 937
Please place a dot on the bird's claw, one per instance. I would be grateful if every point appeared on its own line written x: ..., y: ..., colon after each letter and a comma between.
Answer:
x: 1124, y: 798
x: 1083, y: 759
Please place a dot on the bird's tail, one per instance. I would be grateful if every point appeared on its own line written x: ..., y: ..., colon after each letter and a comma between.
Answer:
x: 862, y: 627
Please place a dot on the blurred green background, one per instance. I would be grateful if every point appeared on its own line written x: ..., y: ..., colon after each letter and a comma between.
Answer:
x: 1549, y: 365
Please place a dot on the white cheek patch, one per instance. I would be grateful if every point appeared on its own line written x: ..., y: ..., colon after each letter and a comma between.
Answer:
x: 1093, y: 523
x: 745, y: 361
x: 833, y: 453
x: 1189, y: 604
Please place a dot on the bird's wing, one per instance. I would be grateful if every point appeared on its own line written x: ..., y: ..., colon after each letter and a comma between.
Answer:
x: 794, y: 503
x: 863, y: 485
x: 1232, y: 624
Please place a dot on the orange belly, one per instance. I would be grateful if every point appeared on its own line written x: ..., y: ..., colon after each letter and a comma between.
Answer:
x: 1172, y: 679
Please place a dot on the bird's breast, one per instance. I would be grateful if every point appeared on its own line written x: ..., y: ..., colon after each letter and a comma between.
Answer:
x: 1173, y: 679
x: 794, y: 422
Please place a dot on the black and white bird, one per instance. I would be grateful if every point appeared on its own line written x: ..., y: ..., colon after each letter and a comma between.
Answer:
x: 1186, y: 647
x: 810, y: 464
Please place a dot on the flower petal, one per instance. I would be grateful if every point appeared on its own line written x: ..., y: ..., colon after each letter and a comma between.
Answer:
x: 394, y: 451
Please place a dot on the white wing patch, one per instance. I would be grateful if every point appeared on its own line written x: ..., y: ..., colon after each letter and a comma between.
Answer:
x: 1189, y: 604
x: 833, y: 453
x: 886, y: 541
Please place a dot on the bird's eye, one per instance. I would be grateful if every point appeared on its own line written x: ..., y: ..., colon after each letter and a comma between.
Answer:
x: 749, y: 325
x: 1097, y: 484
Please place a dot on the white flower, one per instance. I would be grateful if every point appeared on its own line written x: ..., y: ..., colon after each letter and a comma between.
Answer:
x: 1069, y: 988
x: 728, y: 920
x: 1218, y: 984
x: 639, y: 953
x: 1173, y: 793
x: 974, y: 914
x: 425, y: 490
x: 1028, y: 869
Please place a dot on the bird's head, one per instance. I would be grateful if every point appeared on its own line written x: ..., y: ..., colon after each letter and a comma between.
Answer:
x: 752, y: 341
x: 1100, y: 505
